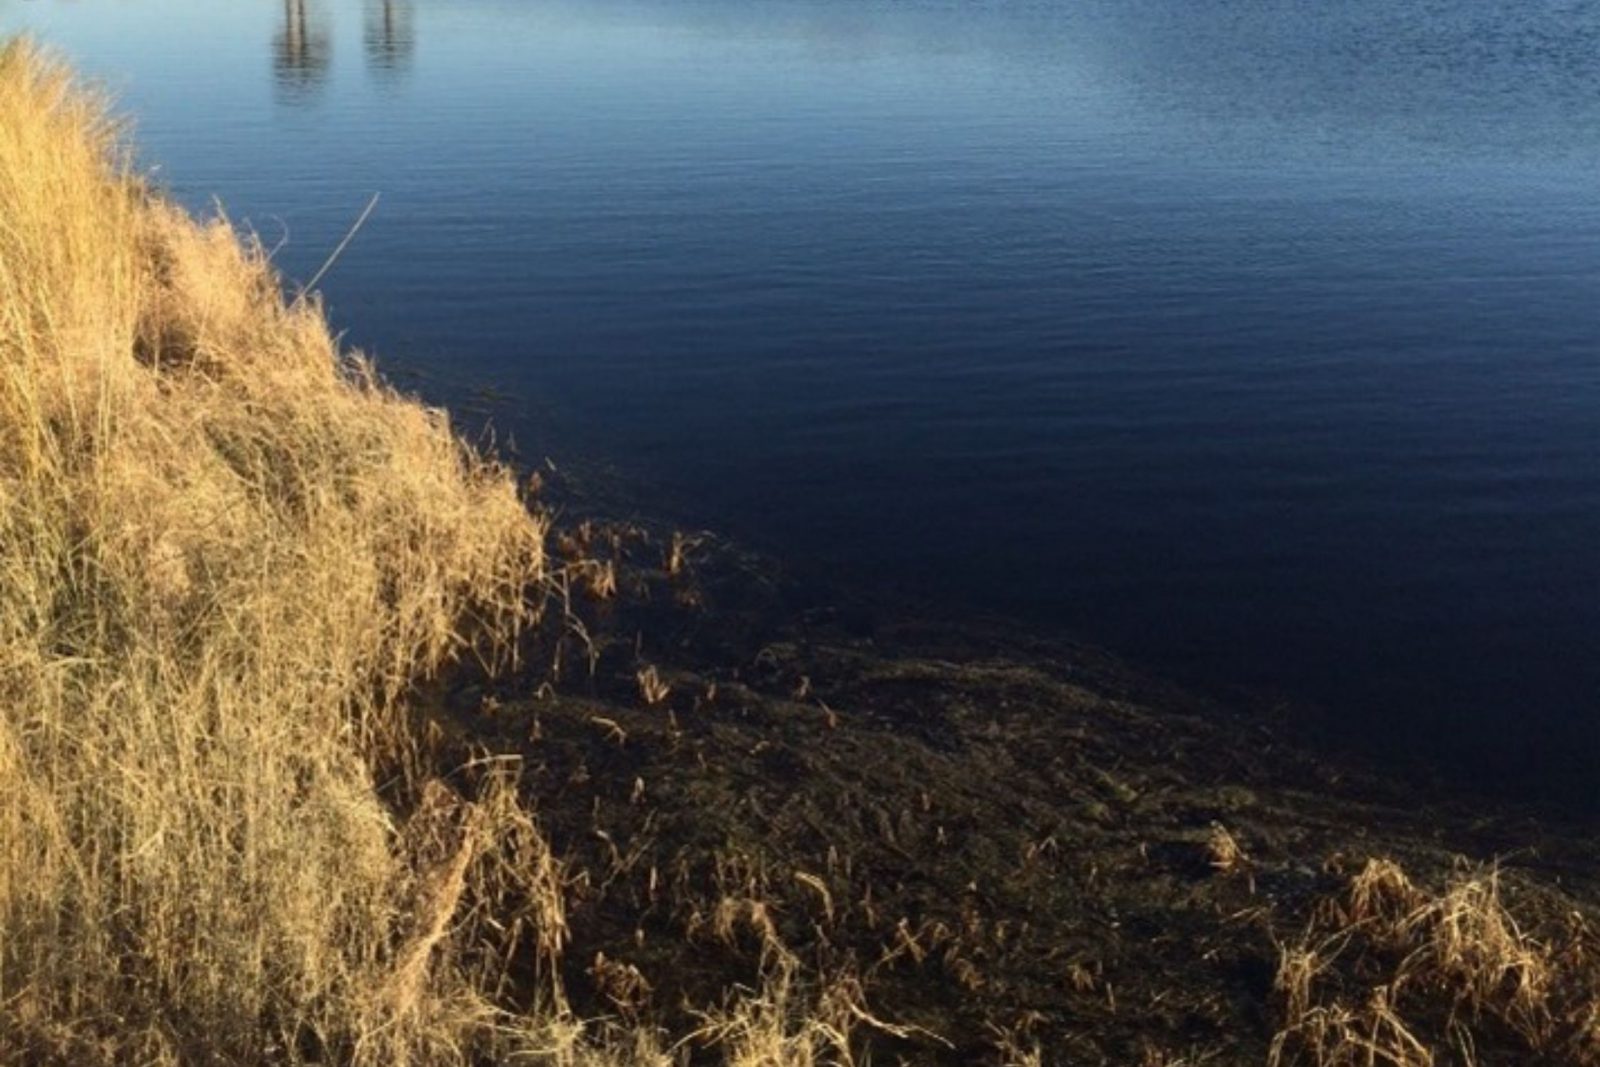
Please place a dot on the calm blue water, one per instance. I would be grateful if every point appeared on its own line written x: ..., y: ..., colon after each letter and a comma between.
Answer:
x: 1258, y: 339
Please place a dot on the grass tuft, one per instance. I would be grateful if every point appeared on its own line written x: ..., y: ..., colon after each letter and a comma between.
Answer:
x: 1391, y: 973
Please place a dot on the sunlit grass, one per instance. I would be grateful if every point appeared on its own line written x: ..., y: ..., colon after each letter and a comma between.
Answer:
x: 229, y: 558
x: 226, y: 554
x: 1392, y: 973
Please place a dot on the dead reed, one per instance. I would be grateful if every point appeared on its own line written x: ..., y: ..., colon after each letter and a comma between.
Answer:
x: 1390, y: 973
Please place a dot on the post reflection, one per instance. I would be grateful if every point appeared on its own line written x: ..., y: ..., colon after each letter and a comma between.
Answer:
x: 302, y: 52
x: 390, y: 39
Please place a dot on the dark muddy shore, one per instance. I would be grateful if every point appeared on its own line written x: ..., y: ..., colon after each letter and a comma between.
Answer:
x: 1012, y: 843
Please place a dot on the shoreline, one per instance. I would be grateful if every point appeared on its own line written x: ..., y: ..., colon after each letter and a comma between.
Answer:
x: 330, y: 742
x: 989, y: 780
x: 595, y: 489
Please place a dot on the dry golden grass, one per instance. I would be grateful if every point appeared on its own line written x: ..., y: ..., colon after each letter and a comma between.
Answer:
x: 1390, y: 973
x: 653, y: 688
x: 226, y: 555
x: 789, y: 1024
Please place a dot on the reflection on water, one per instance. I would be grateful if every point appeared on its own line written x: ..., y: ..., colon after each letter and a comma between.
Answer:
x: 301, y: 51
x: 302, y: 47
x: 390, y: 38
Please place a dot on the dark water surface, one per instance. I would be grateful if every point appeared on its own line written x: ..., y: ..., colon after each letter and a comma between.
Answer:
x: 1258, y: 339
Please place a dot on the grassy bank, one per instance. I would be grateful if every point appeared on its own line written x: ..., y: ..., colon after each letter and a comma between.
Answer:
x: 318, y: 746
x: 226, y: 556
x: 234, y: 567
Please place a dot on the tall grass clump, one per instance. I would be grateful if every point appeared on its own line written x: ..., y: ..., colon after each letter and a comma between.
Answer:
x: 227, y: 556
x: 1391, y: 973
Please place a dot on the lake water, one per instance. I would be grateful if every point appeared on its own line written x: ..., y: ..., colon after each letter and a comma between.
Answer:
x: 1256, y: 339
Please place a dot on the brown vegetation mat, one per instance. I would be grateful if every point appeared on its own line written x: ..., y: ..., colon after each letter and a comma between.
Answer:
x: 1002, y: 847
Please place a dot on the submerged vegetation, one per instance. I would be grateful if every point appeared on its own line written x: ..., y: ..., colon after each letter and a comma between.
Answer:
x: 315, y: 748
